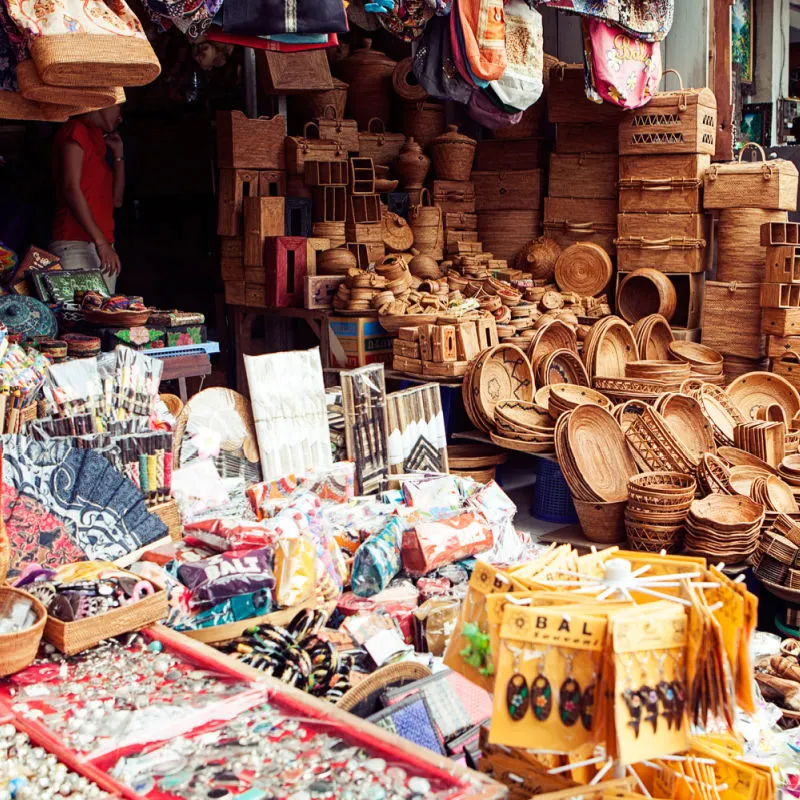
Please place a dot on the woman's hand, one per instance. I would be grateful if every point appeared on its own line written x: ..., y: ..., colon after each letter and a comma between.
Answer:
x: 109, y: 260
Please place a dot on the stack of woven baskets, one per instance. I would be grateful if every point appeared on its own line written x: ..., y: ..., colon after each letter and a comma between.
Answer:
x: 658, y: 503
x: 723, y: 528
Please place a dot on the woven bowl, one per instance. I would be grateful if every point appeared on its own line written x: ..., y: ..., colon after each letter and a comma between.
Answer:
x: 646, y: 291
x: 599, y: 452
x: 602, y: 523
x: 553, y: 335
x: 609, y: 346
x: 18, y: 650
x: 696, y: 354
x: 653, y: 337
x: 761, y: 389
x: 727, y: 513
x: 502, y: 373
x: 561, y: 366
x: 686, y: 420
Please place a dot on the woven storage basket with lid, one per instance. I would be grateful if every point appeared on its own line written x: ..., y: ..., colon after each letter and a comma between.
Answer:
x: 368, y: 73
x: 424, y: 121
x: 453, y: 154
x: 732, y: 320
x: 426, y: 224
x: 682, y: 121
x: 740, y: 254
x: 584, y: 269
x: 378, y: 144
x: 763, y: 183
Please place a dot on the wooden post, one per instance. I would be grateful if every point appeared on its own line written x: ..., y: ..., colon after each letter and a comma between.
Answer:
x: 722, y: 78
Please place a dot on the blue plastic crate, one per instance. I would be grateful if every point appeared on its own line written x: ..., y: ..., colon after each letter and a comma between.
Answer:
x: 552, y: 500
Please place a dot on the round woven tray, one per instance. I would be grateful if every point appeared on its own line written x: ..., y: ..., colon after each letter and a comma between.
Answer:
x: 761, y: 389
x: 561, y: 366
x: 474, y: 456
x: 688, y: 423
x: 552, y: 336
x: 584, y: 268
x: 608, y: 347
x: 502, y: 373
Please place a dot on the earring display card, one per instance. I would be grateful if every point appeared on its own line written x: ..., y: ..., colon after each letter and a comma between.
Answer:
x: 650, y: 692
x: 364, y: 405
x: 417, y: 436
x: 287, y: 392
x: 547, y: 680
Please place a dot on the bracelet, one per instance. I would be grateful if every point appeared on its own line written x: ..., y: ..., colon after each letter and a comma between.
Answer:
x: 119, y: 158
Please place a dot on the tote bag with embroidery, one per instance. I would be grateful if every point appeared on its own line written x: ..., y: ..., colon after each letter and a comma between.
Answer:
x: 85, y: 42
x: 482, y: 25
x: 620, y: 69
x: 521, y: 85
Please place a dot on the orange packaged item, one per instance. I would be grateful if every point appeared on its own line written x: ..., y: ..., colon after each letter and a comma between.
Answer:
x: 430, y: 545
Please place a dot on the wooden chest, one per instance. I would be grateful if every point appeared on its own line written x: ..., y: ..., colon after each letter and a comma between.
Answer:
x: 567, y: 101
x: 653, y: 225
x: 503, y: 233
x: 454, y: 196
x: 250, y: 143
x: 299, y: 149
x: 585, y: 175
x: 507, y: 191
x: 684, y: 121
x: 668, y: 254
x: 502, y: 154
x: 586, y: 138
x: 670, y: 183
x: 751, y: 184
x: 569, y: 220
x: 453, y: 221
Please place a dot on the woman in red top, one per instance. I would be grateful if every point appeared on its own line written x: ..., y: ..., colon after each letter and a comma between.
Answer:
x: 89, y: 189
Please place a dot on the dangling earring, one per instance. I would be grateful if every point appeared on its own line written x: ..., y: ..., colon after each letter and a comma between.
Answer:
x: 648, y: 694
x: 633, y: 701
x: 569, y: 695
x: 541, y: 691
x: 587, y: 701
x: 517, y: 694
x: 666, y: 693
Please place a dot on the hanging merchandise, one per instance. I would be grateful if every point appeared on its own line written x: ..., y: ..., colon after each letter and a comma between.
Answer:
x: 648, y: 20
x: 272, y: 17
x: 481, y: 23
x: 434, y: 65
x: 404, y: 19
x: 191, y: 18
x: 360, y: 17
x: 483, y: 110
x: 268, y: 43
x: 521, y: 85
x: 620, y: 69
x: 33, y: 88
x: 460, y: 53
x: 86, y: 43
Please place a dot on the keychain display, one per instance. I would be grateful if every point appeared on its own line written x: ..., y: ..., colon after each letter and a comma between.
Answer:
x: 549, y: 661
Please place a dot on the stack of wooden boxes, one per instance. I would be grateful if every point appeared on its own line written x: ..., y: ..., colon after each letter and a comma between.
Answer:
x: 507, y: 178
x: 755, y: 261
x: 443, y: 350
x: 364, y: 221
x: 664, y: 148
x: 456, y: 201
x: 252, y: 171
x: 581, y: 205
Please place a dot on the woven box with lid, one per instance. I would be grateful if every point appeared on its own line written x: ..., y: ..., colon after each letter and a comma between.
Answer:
x: 731, y: 320
x: 662, y: 183
x: 769, y: 184
x: 575, y: 219
x: 681, y: 121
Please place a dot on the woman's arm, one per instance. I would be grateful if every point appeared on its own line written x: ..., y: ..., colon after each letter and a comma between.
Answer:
x: 114, y: 142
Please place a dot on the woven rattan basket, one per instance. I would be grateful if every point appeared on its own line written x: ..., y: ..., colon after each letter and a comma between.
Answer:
x: 75, y: 59
x: 653, y: 538
x: 33, y: 88
x: 391, y: 675
x: 75, y: 637
x: 169, y: 513
x: 602, y: 523
x: 18, y: 650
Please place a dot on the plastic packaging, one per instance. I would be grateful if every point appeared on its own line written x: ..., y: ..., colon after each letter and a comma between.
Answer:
x: 377, y: 561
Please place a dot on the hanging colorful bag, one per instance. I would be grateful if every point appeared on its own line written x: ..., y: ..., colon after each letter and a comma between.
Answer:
x: 270, y: 17
x: 521, y: 84
x: 482, y: 25
x: 86, y: 43
x: 648, y: 20
x: 620, y: 69
x: 483, y: 110
x: 406, y: 20
x: 434, y: 64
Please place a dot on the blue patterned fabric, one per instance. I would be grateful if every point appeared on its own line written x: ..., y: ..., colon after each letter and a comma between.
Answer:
x: 83, y: 498
x: 411, y: 720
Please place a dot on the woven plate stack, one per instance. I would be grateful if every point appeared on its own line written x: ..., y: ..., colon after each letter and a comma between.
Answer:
x: 521, y: 426
x: 705, y: 363
x: 658, y: 503
x: 723, y: 528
